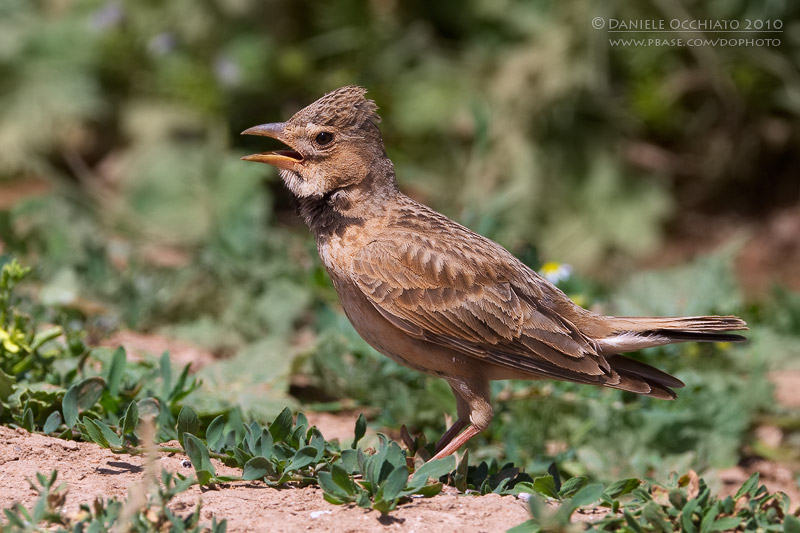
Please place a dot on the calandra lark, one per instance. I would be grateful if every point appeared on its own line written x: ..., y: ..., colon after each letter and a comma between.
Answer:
x: 436, y: 296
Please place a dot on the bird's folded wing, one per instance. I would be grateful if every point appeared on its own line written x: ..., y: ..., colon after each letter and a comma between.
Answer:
x: 478, y: 300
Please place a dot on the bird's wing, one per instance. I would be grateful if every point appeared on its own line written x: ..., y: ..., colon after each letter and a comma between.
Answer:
x: 471, y: 295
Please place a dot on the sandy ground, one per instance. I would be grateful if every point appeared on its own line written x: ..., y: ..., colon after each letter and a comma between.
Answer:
x: 92, y: 471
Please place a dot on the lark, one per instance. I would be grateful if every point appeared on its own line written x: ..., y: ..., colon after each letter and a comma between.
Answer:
x: 437, y: 297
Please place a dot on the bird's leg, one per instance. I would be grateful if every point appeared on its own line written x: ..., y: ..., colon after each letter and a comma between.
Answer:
x: 474, y: 414
x: 450, y: 434
x: 462, y: 408
x: 457, y: 442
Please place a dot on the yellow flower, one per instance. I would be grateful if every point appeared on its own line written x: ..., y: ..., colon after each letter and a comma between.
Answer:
x: 8, y: 342
x: 13, y: 341
x: 555, y: 272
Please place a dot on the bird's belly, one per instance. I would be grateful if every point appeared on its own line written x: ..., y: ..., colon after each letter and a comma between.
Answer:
x: 402, y: 348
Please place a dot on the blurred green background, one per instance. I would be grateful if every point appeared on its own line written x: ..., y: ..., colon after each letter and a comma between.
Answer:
x: 668, y: 178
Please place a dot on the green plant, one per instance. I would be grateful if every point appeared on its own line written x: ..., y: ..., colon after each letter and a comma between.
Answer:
x: 107, y: 514
x: 684, y: 503
x: 383, y: 478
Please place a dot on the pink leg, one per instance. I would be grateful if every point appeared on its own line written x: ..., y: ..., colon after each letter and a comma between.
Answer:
x: 454, y: 430
x: 474, y: 414
x: 457, y: 442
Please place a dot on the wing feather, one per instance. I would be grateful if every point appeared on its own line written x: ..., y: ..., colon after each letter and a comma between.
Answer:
x: 469, y: 299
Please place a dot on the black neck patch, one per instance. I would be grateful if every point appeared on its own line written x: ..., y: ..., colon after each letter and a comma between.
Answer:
x: 322, y: 216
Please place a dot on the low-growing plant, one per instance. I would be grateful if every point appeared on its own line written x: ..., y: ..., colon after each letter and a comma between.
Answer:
x: 381, y: 480
x: 684, y: 503
x: 48, y: 513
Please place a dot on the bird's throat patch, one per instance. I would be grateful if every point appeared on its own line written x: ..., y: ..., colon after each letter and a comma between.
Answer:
x: 323, y: 217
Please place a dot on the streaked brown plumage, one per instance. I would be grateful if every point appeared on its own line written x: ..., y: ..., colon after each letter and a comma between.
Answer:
x: 437, y: 297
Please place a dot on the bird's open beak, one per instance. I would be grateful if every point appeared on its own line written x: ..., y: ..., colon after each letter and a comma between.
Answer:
x: 286, y: 159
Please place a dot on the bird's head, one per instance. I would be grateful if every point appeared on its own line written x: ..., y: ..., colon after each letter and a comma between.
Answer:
x: 333, y: 143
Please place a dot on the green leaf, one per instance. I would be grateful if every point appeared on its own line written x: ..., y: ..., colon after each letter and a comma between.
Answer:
x: 460, y: 477
x: 281, y: 427
x: 52, y: 423
x: 588, y: 495
x: 363, y: 500
x: 27, y: 419
x: 621, y: 487
x: 198, y: 455
x: 653, y: 513
x: 111, y: 437
x: 94, y: 432
x: 267, y: 448
x: 318, y: 443
x: 433, y: 469
x: 728, y: 523
x: 428, y: 491
x: 350, y: 460
x: 791, y: 524
x: 116, y: 371
x: 337, y: 483
x: 178, y: 391
x: 302, y: 458
x: 572, y: 485
x: 131, y: 419
x: 69, y: 406
x: 361, y: 430
x: 395, y: 482
x: 632, y: 523
x: 385, y: 506
x: 241, y: 456
x: 325, y: 480
x: 214, y: 433
x: 529, y: 526
x: 708, y: 518
x: 687, y: 520
x: 6, y: 386
x: 328, y: 497
x: 257, y: 468
x: 342, y: 479
x: 204, y: 477
x: 302, y: 420
x: 546, y: 486
x: 166, y: 375
x: 89, y: 391
x: 395, y: 456
x: 188, y: 422
x: 45, y: 336
x: 15, y: 520
x: 749, y: 487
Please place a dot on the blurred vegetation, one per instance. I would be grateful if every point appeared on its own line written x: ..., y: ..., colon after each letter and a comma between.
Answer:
x: 516, y: 118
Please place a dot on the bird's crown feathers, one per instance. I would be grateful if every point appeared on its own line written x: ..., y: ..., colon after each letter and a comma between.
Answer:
x: 345, y: 107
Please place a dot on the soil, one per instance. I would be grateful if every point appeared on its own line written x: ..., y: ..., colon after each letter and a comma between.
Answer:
x: 91, y: 471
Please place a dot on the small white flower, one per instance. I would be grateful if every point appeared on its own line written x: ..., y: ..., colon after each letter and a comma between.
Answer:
x: 555, y: 272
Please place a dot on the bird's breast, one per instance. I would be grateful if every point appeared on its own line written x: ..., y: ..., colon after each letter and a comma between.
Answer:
x: 337, y: 251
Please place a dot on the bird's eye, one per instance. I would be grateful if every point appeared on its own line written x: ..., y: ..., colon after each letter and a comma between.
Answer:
x: 323, y: 138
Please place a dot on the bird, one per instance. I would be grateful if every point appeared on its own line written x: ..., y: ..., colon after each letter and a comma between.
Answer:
x: 438, y: 297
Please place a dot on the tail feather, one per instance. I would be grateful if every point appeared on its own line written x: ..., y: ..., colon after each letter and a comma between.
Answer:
x: 641, y: 379
x: 621, y: 363
x: 698, y: 336
x: 684, y: 323
x: 635, y: 333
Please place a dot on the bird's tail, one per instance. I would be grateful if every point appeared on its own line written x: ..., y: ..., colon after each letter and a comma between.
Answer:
x: 629, y: 334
